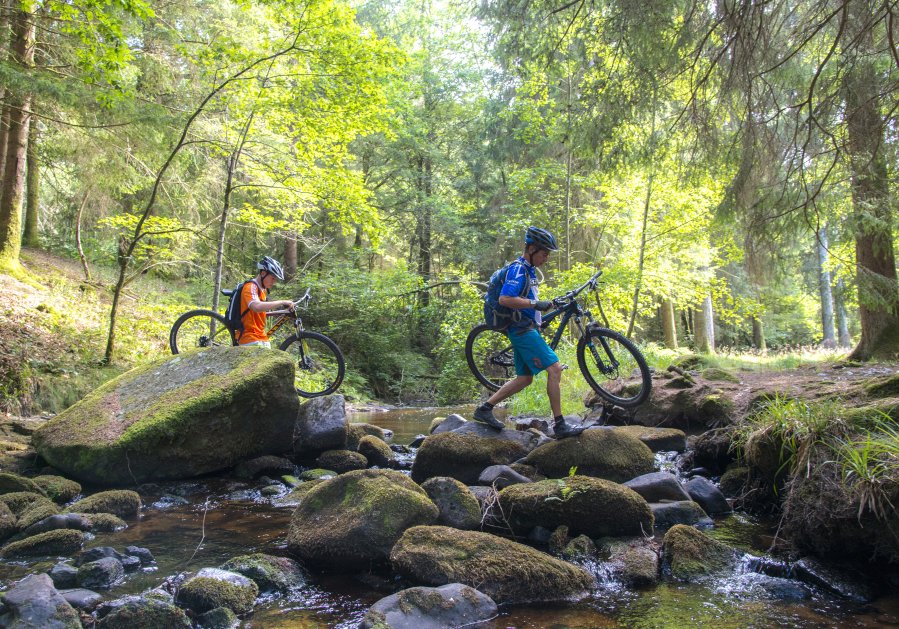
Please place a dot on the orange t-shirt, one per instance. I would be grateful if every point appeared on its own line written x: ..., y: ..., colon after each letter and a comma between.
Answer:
x: 253, y: 322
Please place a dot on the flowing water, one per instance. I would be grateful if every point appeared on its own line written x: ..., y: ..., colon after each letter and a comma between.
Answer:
x: 203, y: 523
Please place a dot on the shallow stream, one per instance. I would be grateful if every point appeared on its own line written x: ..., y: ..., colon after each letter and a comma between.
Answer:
x: 204, y: 523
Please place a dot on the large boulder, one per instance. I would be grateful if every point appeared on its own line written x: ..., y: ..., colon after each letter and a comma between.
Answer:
x: 212, y: 588
x: 506, y: 571
x: 144, y: 612
x: 600, y: 452
x: 51, y: 543
x: 352, y: 521
x: 591, y: 506
x: 657, y: 439
x: 270, y: 573
x: 658, y: 486
x: 463, y: 457
x: 180, y: 417
x: 320, y: 425
x: 453, y: 605
x: 34, y: 602
x: 691, y: 555
x: 458, y: 506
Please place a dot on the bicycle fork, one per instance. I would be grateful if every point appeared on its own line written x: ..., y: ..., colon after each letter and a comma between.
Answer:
x: 604, y: 367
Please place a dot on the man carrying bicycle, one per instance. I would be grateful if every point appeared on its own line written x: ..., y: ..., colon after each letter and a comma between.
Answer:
x: 253, y: 305
x: 532, y: 354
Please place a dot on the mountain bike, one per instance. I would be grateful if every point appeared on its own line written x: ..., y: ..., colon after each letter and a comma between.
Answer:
x: 320, y: 363
x: 607, y: 359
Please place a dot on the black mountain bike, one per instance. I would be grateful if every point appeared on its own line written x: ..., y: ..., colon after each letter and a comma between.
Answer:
x: 320, y: 363
x: 607, y: 359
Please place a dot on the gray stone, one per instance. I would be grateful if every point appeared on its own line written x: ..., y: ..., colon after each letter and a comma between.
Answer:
x: 658, y: 486
x: 98, y: 552
x: 709, y: 497
x: 34, y: 602
x: 845, y: 582
x: 80, y: 598
x: 458, y: 506
x: 667, y: 514
x: 213, y: 587
x: 144, y: 554
x: 63, y: 575
x: 75, y: 521
x: 321, y: 425
x: 501, y: 476
x: 452, y: 422
x: 267, y: 464
x: 101, y: 574
x: 527, y: 440
x: 453, y: 605
x: 218, y: 618
x: 270, y: 573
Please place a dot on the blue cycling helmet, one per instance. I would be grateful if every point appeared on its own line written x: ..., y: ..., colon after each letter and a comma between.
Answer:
x: 541, y: 238
x: 271, y: 266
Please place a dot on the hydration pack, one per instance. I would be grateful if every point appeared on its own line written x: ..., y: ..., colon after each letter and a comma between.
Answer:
x: 497, y: 316
x: 233, y: 315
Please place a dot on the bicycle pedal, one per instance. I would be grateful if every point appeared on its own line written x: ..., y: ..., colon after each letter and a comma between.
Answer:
x: 564, y: 366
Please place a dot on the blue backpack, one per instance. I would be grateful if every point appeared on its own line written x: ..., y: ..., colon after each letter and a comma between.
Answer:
x: 497, y: 316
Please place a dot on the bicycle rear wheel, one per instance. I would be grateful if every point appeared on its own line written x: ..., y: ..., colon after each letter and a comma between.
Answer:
x: 614, y: 367
x: 489, y: 355
x: 320, y: 363
x: 199, y: 329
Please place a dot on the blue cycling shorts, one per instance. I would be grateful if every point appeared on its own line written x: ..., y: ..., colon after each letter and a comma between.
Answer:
x: 532, y: 354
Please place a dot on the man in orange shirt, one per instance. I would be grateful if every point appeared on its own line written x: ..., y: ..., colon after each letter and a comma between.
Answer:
x: 253, y: 304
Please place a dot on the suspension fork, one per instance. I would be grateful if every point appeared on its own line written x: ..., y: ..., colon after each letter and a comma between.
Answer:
x: 605, y: 367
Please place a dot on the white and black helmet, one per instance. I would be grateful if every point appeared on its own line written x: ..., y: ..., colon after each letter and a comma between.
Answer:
x: 272, y: 266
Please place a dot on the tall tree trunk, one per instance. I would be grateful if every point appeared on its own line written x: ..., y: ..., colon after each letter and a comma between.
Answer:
x: 669, y: 328
x: 290, y: 255
x: 12, y: 191
x: 828, y: 339
x: 4, y: 140
x: 704, y: 327
x: 32, y: 202
x: 758, y: 335
x: 878, y: 292
x: 81, y: 256
x: 839, y: 301
x: 424, y: 227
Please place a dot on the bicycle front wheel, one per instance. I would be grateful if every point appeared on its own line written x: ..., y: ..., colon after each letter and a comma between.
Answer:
x: 489, y: 355
x: 199, y: 329
x: 320, y: 364
x: 614, y: 367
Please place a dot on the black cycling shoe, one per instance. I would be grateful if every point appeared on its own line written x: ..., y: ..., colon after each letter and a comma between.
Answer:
x: 486, y: 416
x: 563, y: 430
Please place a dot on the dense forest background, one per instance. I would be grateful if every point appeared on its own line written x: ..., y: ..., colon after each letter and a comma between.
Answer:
x: 730, y: 166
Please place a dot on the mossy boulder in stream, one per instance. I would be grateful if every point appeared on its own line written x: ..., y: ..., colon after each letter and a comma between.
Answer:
x: 592, y: 506
x: 55, y: 543
x: 122, y: 503
x: 180, y: 417
x: 463, y: 457
x: 601, y: 452
x: 270, y: 573
x: 10, y: 483
x: 145, y: 613
x: 352, y: 521
x: 689, y: 554
x: 506, y: 571
x: 57, y: 488
x: 213, y: 588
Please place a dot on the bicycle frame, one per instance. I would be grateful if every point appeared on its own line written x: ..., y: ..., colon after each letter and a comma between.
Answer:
x: 289, y: 315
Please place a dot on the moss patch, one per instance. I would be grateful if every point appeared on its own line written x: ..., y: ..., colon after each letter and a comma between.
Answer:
x: 603, y: 453
x: 462, y: 457
x: 720, y: 375
x: 105, y: 522
x: 57, y: 488
x: 122, y: 503
x: 202, y: 594
x: 269, y: 573
x: 376, y: 451
x: 883, y: 387
x: 689, y: 554
x: 51, y: 543
x: 145, y: 614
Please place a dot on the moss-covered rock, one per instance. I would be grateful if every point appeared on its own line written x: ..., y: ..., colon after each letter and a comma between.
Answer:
x: 57, y: 488
x: 462, y: 457
x: 341, y: 461
x: 353, y: 520
x: 458, y: 506
x: 733, y: 481
x: 357, y: 430
x: 634, y: 562
x: 506, y: 571
x: 317, y: 474
x: 376, y: 451
x: 105, y: 522
x: 713, y: 450
x: 434, y: 423
x: 18, y: 501
x: 689, y: 362
x: 122, y: 502
x: 177, y: 417
x: 716, y: 408
x: 452, y: 605
x: 657, y: 439
x: 51, y: 543
x: 218, y: 618
x: 36, y: 512
x: 603, y: 453
x: 716, y: 374
x: 269, y: 573
x: 10, y: 483
x: 145, y: 613
x: 591, y: 506
x: 883, y: 387
x: 212, y: 588
x: 34, y: 602
x: 689, y: 554
x: 296, y: 495
x: 7, y: 522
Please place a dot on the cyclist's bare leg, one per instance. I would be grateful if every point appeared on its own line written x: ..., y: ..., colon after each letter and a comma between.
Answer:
x: 512, y: 387
x: 554, y: 387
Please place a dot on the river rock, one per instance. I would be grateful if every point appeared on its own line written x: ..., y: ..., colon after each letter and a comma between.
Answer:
x: 320, y: 425
x: 80, y: 598
x: 143, y: 554
x: 592, y: 506
x: 64, y: 576
x: 119, y: 502
x: 506, y: 571
x: 58, y: 489
x: 212, y: 588
x: 689, y: 554
x: 96, y: 553
x: 269, y: 573
x: 713, y: 449
x: 658, y: 486
x: 634, y: 562
x: 458, y: 506
x: 34, y: 602
x: 376, y: 451
x: 452, y: 605
x: 528, y: 440
x: 384, y: 434
x: 667, y: 514
x: 341, y: 461
x: 600, y: 452
x: 179, y: 417
x: 462, y: 457
x: 218, y: 618
x: 847, y: 583
x: 353, y: 520
x: 448, y: 424
x: 7, y: 521
x: 657, y: 439
x: 75, y: 521
x: 144, y: 612
x: 266, y: 464
x: 52, y: 543
x: 10, y: 483
x: 707, y: 495
x: 101, y: 574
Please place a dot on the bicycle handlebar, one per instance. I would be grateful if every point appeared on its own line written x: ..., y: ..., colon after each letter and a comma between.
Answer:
x: 570, y: 295
x: 304, y: 300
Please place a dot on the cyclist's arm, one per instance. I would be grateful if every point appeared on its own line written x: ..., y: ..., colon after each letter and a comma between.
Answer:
x: 516, y: 303
x: 267, y: 306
